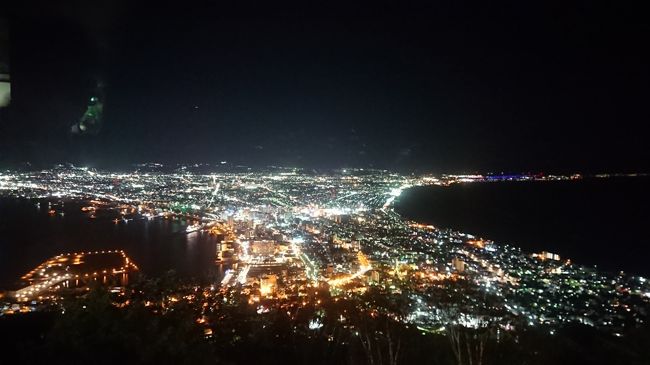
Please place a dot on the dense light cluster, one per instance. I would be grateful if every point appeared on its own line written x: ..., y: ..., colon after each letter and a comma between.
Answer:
x: 291, y: 235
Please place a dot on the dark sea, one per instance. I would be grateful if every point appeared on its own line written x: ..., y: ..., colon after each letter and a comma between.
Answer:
x: 29, y: 235
x: 593, y: 221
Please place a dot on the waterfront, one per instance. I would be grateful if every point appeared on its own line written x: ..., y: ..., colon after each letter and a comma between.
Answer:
x: 29, y: 235
x: 591, y: 221
x: 300, y: 239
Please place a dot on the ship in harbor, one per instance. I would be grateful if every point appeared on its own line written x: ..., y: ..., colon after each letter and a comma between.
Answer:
x: 194, y: 227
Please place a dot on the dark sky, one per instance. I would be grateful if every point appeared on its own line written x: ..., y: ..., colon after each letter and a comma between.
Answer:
x: 442, y: 87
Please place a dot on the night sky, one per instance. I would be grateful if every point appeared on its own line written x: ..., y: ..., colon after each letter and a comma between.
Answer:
x: 441, y: 87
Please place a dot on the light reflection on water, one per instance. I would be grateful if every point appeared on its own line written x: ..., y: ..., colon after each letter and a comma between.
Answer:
x: 29, y: 234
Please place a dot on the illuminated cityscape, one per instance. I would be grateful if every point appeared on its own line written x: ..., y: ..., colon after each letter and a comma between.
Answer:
x: 291, y: 239
x: 414, y: 182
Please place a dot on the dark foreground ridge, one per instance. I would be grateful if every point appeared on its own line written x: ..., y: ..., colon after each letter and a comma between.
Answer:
x: 152, y: 330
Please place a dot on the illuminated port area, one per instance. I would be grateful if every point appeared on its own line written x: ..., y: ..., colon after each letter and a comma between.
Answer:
x: 74, y: 272
x: 291, y: 239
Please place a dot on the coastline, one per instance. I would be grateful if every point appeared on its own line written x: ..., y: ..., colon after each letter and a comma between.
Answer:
x: 583, y: 225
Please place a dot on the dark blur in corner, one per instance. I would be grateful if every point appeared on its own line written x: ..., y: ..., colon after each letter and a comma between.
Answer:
x: 5, y: 85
